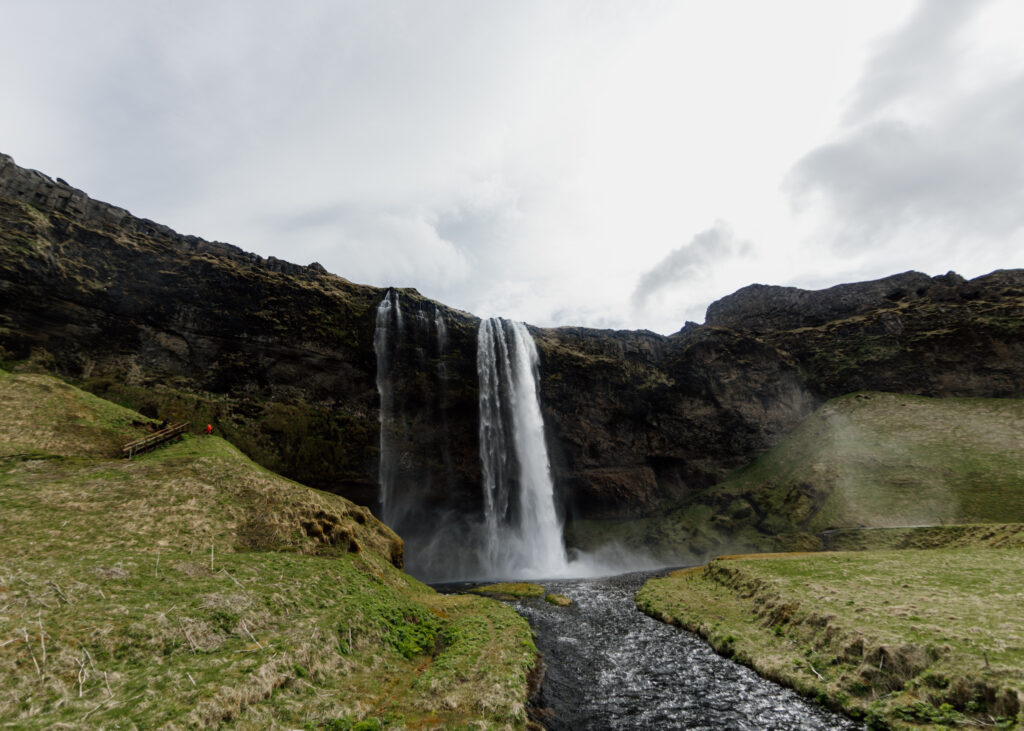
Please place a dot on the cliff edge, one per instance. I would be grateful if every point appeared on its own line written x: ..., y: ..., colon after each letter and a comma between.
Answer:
x: 280, y: 357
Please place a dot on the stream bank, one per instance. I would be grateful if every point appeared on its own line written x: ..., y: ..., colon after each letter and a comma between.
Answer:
x: 931, y: 638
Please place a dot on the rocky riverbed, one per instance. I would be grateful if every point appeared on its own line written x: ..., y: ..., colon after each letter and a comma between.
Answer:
x: 608, y: 666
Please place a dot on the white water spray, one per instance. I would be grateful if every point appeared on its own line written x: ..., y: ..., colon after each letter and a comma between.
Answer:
x: 523, y: 535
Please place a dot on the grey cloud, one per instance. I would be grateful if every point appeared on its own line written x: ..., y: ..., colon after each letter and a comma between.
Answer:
x: 194, y: 101
x: 965, y: 171
x: 598, y: 318
x: 312, y: 218
x: 471, y: 229
x: 919, y: 53
x: 689, y: 261
x: 480, y: 213
x: 959, y: 167
x: 469, y: 226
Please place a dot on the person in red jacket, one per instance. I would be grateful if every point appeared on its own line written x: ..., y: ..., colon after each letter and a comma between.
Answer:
x: 209, y: 428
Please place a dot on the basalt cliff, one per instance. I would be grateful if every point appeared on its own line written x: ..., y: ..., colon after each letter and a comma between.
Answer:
x: 281, y: 359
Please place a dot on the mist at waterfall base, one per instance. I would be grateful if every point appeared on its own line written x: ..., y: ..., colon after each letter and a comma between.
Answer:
x: 507, y: 525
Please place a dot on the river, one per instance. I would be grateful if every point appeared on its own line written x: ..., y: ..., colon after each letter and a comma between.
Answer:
x: 609, y: 666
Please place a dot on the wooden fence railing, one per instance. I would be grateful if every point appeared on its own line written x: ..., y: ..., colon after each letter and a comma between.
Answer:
x: 154, y: 440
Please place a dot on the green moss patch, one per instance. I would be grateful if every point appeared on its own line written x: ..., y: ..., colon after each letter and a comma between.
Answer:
x: 559, y: 600
x: 911, y: 465
x: 888, y: 460
x: 510, y: 591
x: 515, y: 590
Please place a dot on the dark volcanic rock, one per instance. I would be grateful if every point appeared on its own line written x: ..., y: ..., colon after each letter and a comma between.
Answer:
x: 764, y: 308
x: 626, y: 407
x: 661, y: 416
x: 280, y: 358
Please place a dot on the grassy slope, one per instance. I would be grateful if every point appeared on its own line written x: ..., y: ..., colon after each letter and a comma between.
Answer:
x: 862, y: 460
x: 882, y: 459
x: 111, y: 610
x: 899, y: 637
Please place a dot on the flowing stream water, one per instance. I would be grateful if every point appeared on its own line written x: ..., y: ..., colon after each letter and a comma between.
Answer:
x: 609, y: 666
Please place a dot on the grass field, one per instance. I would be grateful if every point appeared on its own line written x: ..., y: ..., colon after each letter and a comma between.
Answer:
x: 190, y: 587
x: 912, y: 638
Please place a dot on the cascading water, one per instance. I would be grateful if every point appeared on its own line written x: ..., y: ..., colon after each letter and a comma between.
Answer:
x: 442, y: 335
x: 418, y: 488
x: 389, y: 319
x: 523, y: 533
x: 455, y: 527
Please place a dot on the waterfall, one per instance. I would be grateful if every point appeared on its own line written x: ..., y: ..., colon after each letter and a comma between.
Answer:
x: 420, y: 495
x: 389, y: 319
x: 442, y: 338
x: 523, y: 534
x: 453, y: 528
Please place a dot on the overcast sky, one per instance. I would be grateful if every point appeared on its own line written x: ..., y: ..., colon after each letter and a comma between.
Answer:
x: 610, y: 164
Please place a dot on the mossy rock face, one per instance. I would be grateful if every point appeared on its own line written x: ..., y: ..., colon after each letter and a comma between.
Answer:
x: 511, y: 590
x: 861, y: 463
x: 871, y: 460
x: 558, y: 600
x: 280, y: 358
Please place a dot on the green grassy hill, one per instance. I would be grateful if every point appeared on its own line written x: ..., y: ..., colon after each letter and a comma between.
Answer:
x: 865, y: 460
x: 191, y: 587
x: 886, y: 460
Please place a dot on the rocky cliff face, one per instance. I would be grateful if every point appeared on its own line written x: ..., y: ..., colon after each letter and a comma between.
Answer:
x: 281, y: 359
x: 278, y: 356
x: 762, y: 308
x: 642, y: 419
